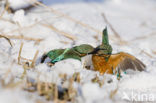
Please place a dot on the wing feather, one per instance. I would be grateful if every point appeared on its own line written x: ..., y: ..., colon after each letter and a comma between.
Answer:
x: 126, y: 61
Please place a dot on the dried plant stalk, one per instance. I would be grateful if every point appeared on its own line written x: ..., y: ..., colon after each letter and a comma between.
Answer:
x: 105, y: 19
x: 25, y: 70
x: 22, y: 28
x: 39, y: 87
x: 101, y: 83
x: 22, y: 37
x: 5, y: 9
x: 71, y: 91
x: 76, y: 77
x: 55, y: 92
x: 2, y: 36
x: 114, y: 31
x: 113, y: 93
x: 67, y: 17
x: 19, y: 54
x: 34, y: 59
x: 51, y: 92
x: 29, y: 60
x: 144, y: 37
x: 60, y: 32
x: 7, y: 20
x: 146, y: 53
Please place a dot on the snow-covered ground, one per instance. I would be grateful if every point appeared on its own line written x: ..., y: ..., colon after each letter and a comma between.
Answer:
x: 135, y: 22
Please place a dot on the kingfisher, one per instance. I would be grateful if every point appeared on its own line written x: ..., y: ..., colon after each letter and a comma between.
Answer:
x: 105, y: 62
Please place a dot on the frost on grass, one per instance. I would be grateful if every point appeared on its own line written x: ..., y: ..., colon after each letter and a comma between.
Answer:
x: 72, y: 80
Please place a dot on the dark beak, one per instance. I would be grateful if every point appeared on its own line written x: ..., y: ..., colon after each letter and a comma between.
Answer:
x: 43, y: 58
x: 96, y: 50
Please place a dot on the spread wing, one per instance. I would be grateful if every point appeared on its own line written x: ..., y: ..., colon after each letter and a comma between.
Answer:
x: 126, y: 61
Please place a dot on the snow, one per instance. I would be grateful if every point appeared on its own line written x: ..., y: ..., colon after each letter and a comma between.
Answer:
x: 131, y: 19
x: 91, y: 92
x: 16, y: 4
x: 9, y: 95
x: 70, y: 65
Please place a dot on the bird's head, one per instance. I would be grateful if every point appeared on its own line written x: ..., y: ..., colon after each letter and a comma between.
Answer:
x: 105, y: 47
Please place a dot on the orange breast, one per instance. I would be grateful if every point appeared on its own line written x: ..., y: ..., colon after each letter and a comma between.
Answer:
x: 101, y: 65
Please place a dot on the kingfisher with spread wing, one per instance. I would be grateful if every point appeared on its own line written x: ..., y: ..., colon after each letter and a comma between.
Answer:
x: 106, y: 62
x: 102, y: 58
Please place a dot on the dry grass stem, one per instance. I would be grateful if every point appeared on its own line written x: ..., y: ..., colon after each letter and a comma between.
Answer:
x: 13, y: 85
x: 101, y: 83
x: 51, y: 92
x: 5, y: 19
x: 29, y: 60
x: 25, y: 70
x: 2, y: 36
x: 149, y: 55
x: 5, y: 9
x: 64, y: 42
x: 39, y: 87
x: 114, y: 31
x: 76, y: 77
x: 22, y: 28
x: 71, y: 90
x: 60, y: 32
x: 22, y: 37
x: 66, y: 16
x: 55, y: 92
x: 144, y: 37
x: 95, y: 79
x: 34, y: 59
x: 19, y: 54
x: 113, y: 93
